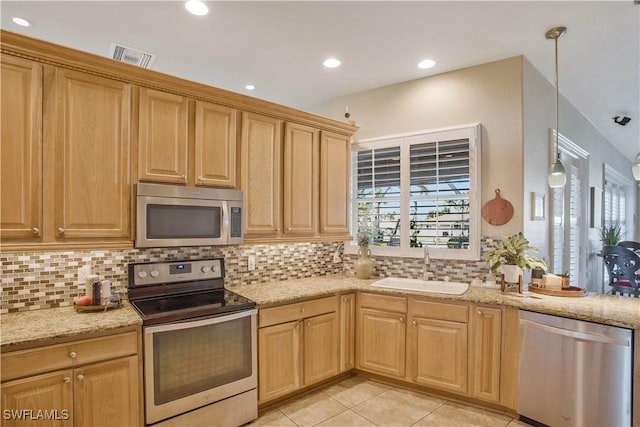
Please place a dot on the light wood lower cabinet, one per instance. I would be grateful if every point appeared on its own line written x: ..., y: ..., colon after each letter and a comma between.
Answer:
x: 381, y: 334
x: 486, y: 351
x: 91, y: 382
x: 298, y: 346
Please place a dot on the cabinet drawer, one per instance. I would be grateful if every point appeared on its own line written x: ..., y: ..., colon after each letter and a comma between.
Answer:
x: 440, y: 311
x: 43, y: 359
x: 383, y: 302
x: 300, y: 310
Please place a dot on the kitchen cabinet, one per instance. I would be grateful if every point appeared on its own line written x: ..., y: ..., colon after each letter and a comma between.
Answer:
x: 300, y: 184
x: 485, y: 358
x: 261, y: 174
x: 215, y: 145
x: 381, y: 334
x: 21, y: 149
x: 91, y: 143
x: 335, y: 159
x: 437, y: 345
x: 162, y: 137
x: 298, y: 346
x: 347, y: 332
x: 86, y: 382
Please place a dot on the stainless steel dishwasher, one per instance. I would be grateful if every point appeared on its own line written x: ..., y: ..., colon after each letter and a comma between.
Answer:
x: 574, y: 373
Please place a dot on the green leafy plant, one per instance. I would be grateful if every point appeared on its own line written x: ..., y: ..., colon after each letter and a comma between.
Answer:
x: 610, y: 235
x: 511, y: 251
x: 364, y: 237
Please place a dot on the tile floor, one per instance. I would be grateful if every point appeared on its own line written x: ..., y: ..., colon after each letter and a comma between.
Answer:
x: 362, y: 402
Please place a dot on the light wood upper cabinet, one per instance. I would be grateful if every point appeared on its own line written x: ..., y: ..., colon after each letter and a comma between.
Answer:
x: 261, y: 174
x: 300, y: 188
x: 215, y: 145
x: 21, y: 149
x: 162, y: 137
x: 486, y: 330
x: 106, y: 394
x: 91, y: 143
x: 335, y: 158
x: 52, y: 391
x: 321, y: 347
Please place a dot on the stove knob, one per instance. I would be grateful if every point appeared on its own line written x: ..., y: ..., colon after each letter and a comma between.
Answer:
x: 215, y: 268
x: 206, y: 269
x: 155, y: 273
x: 142, y: 274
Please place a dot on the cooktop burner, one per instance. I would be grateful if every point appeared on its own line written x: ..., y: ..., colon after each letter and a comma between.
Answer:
x: 197, y: 290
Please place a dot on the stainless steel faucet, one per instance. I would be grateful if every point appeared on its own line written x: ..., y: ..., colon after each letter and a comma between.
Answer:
x: 426, y: 273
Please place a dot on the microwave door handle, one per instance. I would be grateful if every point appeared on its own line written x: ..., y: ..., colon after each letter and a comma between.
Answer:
x: 225, y: 222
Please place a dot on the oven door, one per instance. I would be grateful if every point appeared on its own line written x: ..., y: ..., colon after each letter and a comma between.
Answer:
x: 191, y: 364
x: 172, y: 221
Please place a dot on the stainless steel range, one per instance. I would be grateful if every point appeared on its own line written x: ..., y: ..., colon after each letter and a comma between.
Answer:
x: 199, y: 344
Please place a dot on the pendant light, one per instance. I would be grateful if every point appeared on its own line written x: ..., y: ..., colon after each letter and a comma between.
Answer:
x: 636, y: 168
x: 557, y: 177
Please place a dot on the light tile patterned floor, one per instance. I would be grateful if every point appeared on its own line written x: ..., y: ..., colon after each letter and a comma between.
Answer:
x: 359, y: 402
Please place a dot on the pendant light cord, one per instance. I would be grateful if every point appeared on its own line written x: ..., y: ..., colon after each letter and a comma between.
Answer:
x: 557, y: 105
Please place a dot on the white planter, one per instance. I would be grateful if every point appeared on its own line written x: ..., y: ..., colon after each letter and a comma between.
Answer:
x: 511, y: 273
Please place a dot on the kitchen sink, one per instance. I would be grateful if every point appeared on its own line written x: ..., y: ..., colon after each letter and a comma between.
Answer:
x: 433, y: 286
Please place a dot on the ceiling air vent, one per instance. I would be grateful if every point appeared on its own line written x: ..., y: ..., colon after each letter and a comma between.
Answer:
x: 131, y: 56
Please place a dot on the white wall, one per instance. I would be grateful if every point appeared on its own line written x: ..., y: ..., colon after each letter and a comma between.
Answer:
x: 490, y: 94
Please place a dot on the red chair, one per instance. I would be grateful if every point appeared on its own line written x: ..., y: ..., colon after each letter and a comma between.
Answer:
x: 623, y: 266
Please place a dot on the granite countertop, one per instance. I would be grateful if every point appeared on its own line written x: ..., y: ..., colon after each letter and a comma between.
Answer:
x: 39, y: 327
x: 606, y: 309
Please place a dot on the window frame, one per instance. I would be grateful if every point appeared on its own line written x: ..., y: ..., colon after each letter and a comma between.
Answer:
x: 471, y: 131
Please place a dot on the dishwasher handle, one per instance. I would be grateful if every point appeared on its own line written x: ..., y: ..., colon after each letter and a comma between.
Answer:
x: 574, y: 334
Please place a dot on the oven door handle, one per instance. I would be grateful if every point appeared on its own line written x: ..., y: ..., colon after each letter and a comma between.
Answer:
x: 196, y: 323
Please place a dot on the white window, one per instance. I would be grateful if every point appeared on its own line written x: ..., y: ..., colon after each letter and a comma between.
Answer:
x: 419, y: 189
x: 615, y: 200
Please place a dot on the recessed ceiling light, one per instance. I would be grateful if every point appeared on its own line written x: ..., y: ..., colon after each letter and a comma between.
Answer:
x: 196, y: 7
x: 332, y: 63
x: 249, y: 87
x: 21, y: 21
x: 426, y: 63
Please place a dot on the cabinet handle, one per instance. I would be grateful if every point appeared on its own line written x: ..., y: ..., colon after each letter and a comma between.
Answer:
x: 35, y: 230
x: 66, y: 379
x: 73, y: 355
x: 308, y: 323
x: 80, y: 377
x: 184, y: 178
x: 414, y: 323
x: 304, y: 309
x: 199, y: 179
x: 60, y: 230
x: 479, y: 313
x: 298, y: 326
x: 402, y: 320
x: 288, y: 228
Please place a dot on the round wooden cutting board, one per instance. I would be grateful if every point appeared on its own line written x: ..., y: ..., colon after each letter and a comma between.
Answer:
x: 497, y: 211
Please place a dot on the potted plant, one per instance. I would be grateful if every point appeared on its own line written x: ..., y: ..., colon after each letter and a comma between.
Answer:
x: 610, y: 235
x: 511, y: 259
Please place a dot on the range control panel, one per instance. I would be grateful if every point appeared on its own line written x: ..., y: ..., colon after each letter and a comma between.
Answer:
x: 155, y: 273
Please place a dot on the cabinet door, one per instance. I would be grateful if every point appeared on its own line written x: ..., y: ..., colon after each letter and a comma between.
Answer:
x: 300, y: 189
x: 215, y: 145
x: 21, y: 149
x: 51, y: 393
x: 381, y: 342
x: 162, y: 137
x: 279, y: 360
x: 107, y: 394
x: 437, y: 354
x: 321, y: 345
x: 92, y: 188
x: 261, y: 174
x: 335, y: 157
x: 347, y: 332
x: 486, y: 326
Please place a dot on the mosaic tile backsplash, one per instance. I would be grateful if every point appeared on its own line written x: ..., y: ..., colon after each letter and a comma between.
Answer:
x: 32, y: 281
x: 37, y: 280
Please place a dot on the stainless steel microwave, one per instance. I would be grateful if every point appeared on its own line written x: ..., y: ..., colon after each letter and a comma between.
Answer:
x: 171, y: 215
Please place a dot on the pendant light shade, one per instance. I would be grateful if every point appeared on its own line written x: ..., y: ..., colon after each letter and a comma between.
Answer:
x: 636, y: 168
x: 557, y: 176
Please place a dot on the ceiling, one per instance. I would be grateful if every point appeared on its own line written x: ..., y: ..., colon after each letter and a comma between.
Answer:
x: 279, y: 46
